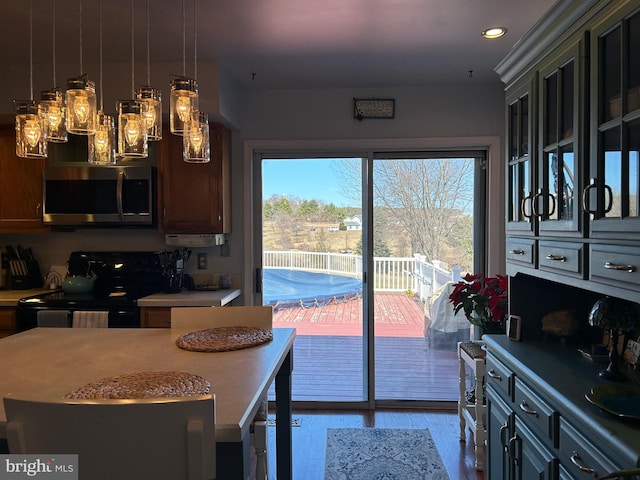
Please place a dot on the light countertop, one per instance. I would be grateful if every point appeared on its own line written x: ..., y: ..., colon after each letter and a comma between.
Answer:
x: 190, y: 298
x: 10, y: 298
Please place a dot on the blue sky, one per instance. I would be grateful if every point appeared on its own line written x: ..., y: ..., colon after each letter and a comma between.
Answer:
x: 307, y: 179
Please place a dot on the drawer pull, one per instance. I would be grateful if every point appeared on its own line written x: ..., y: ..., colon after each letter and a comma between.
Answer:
x: 556, y: 258
x: 492, y: 374
x: 574, y: 459
x: 524, y: 406
x: 615, y: 266
x: 516, y: 251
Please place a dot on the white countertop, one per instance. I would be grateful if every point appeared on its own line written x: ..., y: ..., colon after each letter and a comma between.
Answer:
x: 10, y: 298
x: 190, y: 298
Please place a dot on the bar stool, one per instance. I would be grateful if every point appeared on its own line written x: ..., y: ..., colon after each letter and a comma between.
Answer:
x: 472, y: 415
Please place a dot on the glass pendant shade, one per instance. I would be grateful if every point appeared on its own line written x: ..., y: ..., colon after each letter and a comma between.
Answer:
x: 132, y: 131
x: 31, y: 131
x: 182, y: 102
x: 102, y: 144
x: 151, y: 100
x: 81, y: 106
x: 52, y: 110
x: 195, y: 140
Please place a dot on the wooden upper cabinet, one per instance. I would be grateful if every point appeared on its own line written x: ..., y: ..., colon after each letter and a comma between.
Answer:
x: 195, y: 197
x: 20, y: 186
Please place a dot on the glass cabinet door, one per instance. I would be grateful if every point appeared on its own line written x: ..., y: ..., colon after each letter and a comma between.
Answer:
x: 520, y: 162
x: 611, y: 196
x: 556, y: 203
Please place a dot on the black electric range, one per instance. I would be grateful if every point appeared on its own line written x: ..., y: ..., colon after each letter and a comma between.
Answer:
x: 122, y: 278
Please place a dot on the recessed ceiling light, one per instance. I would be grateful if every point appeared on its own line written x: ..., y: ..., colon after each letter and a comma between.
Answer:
x: 494, y: 32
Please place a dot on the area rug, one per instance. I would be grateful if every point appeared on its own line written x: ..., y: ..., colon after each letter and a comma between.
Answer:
x: 382, y: 454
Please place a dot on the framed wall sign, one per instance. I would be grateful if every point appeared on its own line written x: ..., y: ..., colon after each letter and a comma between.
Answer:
x: 374, y: 108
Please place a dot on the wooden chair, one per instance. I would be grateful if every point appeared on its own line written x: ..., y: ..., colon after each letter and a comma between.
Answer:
x: 253, y: 316
x: 162, y: 438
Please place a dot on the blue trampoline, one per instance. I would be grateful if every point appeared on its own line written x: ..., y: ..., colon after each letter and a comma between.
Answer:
x: 285, y: 288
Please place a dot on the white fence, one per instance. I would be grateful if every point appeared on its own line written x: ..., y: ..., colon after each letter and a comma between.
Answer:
x: 391, y: 274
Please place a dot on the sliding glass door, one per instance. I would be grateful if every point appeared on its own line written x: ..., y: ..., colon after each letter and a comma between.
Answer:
x: 356, y: 254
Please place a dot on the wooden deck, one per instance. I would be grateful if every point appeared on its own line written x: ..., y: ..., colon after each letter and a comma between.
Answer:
x: 409, y: 366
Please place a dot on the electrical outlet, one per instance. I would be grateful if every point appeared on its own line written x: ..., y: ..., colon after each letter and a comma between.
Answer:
x: 202, y: 261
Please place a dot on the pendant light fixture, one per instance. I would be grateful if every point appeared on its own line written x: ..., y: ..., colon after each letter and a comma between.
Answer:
x: 31, y: 131
x: 132, y: 131
x: 151, y: 99
x: 184, y: 91
x: 51, y: 107
x: 102, y: 144
x: 195, y: 141
x: 81, y: 98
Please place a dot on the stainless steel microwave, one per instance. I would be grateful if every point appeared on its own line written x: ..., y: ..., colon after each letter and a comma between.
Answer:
x: 122, y: 195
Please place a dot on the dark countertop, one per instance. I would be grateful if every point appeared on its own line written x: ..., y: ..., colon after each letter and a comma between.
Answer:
x: 563, y: 376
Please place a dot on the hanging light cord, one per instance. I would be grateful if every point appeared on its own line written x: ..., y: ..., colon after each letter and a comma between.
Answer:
x: 133, y: 89
x: 148, y: 49
x: 100, y: 36
x: 80, y: 11
x: 53, y: 44
x: 184, y: 42
x: 31, y: 50
x: 195, y: 42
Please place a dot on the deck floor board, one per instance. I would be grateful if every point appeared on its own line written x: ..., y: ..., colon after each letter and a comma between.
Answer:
x: 328, y: 352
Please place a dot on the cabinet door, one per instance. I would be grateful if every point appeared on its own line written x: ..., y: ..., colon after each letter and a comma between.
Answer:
x: 520, y: 159
x: 531, y: 458
x: 7, y: 321
x: 499, y: 431
x: 20, y: 186
x: 195, y: 197
x: 612, y: 194
x: 155, y: 317
x: 561, y: 100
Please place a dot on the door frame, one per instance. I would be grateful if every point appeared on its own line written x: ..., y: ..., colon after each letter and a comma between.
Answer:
x: 494, y: 200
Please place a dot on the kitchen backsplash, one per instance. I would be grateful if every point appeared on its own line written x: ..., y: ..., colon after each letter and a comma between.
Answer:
x: 54, y: 248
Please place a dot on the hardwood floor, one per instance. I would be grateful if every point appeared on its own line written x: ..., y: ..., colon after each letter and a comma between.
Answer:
x: 309, y: 438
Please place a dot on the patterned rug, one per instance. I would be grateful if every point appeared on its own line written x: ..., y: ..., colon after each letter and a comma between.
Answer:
x: 382, y: 454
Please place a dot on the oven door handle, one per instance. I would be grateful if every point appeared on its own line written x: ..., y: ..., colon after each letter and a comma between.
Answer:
x: 119, y: 187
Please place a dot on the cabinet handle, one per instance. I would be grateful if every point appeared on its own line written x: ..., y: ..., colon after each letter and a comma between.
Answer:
x: 523, y: 210
x: 556, y: 258
x: 511, y: 450
x: 38, y: 209
x: 492, y: 374
x: 504, y: 429
x: 516, y: 251
x: 524, y: 406
x: 607, y: 209
x: 574, y: 459
x: 552, y: 210
x: 585, y: 196
x: 534, y: 203
x: 615, y: 266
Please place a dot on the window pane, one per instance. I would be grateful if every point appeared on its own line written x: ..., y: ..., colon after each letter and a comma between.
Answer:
x: 566, y: 127
x: 551, y: 107
x: 610, y: 85
x: 613, y: 170
x: 566, y: 184
x: 633, y: 66
x: 633, y: 135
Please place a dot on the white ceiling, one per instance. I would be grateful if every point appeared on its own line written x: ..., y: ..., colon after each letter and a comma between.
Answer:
x: 286, y: 43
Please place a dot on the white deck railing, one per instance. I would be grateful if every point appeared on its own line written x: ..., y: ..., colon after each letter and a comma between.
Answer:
x: 392, y: 274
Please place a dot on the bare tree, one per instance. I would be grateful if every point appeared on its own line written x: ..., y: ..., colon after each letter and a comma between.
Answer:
x: 427, y: 198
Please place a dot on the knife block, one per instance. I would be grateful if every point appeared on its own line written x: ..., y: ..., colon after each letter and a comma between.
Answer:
x: 32, y: 279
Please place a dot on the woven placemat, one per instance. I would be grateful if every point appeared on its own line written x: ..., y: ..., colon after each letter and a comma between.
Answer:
x: 224, y: 339
x: 143, y: 385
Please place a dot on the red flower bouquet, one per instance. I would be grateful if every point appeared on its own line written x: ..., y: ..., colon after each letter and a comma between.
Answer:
x: 483, y: 300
